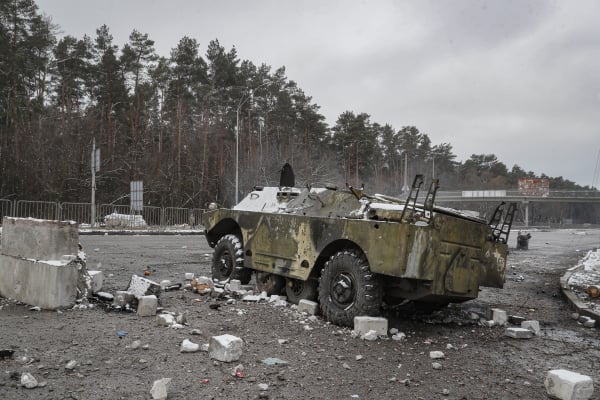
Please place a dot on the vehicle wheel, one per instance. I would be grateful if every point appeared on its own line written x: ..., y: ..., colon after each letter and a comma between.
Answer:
x: 228, y: 261
x: 270, y: 283
x: 296, y: 290
x: 348, y: 288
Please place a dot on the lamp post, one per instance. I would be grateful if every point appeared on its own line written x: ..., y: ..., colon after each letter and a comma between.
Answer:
x: 247, y: 96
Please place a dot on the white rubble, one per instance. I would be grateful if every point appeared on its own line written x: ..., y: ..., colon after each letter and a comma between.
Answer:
x: 147, y: 306
x: 165, y: 320
x: 499, y: 316
x: 96, y: 280
x: 308, y: 306
x: 226, y: 348
x: 364, y: 324
x: 532, y: 325
x: 567, y: 385
x: 28, y: 381
x: 188, y: 346
x: 519, y: 333
x: 435, y: 355
x: 160, y: 389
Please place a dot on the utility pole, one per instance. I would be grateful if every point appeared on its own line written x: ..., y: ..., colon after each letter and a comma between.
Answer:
x: 95, y: 165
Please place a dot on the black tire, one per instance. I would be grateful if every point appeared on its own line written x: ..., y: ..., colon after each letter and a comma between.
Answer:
x: 296, y: 290
x: 270, y: 283
x: 228, y: 261
x: 348, y: 288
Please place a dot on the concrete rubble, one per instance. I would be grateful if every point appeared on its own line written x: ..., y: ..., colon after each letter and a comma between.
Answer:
x: 160, y: 389
x: 41, y: 263
x: 226, y: 348
x: 567, y: 385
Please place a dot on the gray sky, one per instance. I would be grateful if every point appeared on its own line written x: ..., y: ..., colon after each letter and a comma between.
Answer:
x: 519, y: 79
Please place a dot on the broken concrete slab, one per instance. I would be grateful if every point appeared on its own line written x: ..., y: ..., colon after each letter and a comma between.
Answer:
x: 499, y: 316
x: 140, y: 287
x: 38, y: 239
x: 364, y: 324
x: 96, y: 280
x: 519, y: 333
x: 46, y: 276
x: 308, y: 306
x: 226, y: 348
x: 123, y: 298
x: 568, y: 385
x: 532, y: 325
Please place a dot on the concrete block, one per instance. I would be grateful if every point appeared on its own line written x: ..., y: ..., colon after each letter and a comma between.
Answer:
x: 189, y: 276
x: 499, y: 316
x: 235, y: 285
x: 519, y: 333
x: 39, y: 239
x: 147, y: 306
x: 48, y: 286
x: 39, y: 264
x: 568, y: 385
x: 226, y: 348
x: 363, y: 325
x: 308, y: 306
x: 122, y: 298
x: 140, y: 287
x: 533, y: 326
x: 96, y: 280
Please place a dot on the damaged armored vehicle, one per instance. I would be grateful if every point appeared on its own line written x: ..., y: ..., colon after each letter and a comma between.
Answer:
x: 352, y: 251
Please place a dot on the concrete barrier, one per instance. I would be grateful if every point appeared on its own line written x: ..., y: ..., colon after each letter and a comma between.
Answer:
x: 39, y: 263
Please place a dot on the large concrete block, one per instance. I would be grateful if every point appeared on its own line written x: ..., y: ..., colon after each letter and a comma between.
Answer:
x: 363, y: 325
x: 567, y: 385
x: 49, y: 286
x: 39, y: 239
x: 226, y: 348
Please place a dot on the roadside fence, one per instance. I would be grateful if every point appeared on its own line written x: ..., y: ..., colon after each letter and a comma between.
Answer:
x: 109, y: 216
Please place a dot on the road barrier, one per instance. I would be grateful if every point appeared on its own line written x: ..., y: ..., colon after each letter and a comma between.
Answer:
x: 111, y: 216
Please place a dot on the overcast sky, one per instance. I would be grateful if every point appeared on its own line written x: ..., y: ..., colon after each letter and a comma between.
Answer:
x: 519, y: 79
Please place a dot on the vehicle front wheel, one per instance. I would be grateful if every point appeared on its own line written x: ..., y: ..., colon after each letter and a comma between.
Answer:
x: 348, y: 288
x: 228, y: 260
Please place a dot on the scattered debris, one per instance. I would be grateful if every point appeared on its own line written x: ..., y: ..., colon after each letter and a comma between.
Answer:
x: 121, y: 334
x: 519, y: 333
x: 567, y: 385
x: 436, y: 355
x: 226, y: 348
x: 71, y: 365
x: 363, y: 325
x: 28, y: 381
x: 532, y: 325
x: 274, y: 361
x: 6, y: 354
x: 160, y: 389
x: 188, y: 346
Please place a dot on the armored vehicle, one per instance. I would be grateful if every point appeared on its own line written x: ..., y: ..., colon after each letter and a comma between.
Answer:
x: 353, y: 251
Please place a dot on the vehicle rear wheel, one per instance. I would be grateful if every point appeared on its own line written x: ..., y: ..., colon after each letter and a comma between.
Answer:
x: 270, y: 283
x: 348, y: 288
x: 228, y: 260
x: 296, y: 290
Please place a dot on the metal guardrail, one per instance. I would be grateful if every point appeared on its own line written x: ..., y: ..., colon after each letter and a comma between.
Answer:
x: 115, y: 216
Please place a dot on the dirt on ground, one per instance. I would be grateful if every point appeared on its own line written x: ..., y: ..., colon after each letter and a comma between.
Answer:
x: 322, y: 361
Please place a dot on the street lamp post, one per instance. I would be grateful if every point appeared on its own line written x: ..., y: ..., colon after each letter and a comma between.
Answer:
x: 247, y: 96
